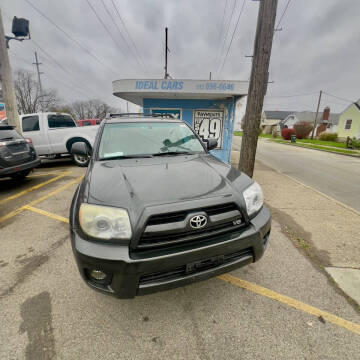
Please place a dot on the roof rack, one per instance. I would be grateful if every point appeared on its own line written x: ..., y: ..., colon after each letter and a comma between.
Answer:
x: 113, y: 115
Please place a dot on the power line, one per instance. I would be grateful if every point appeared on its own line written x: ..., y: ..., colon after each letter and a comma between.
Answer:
x: 67, y: 85
x: 119, y: 30
x: 288, y: 96
x: 227, y: 30
x: 78, y: 43
x: 232, y: 37
x: 60, y: 66
x: 340, y: 98
x: 55, y: 79
x: 283, y: 14
x: 105, y: 27
x: 221, y: 31
x: 128, y: 34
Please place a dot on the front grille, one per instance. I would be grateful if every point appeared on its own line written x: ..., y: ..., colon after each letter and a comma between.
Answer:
x: 15, y: 148
x: 148, y: 241
x: 165, y: 235
x: 181, y: 215
x: 190, y: 269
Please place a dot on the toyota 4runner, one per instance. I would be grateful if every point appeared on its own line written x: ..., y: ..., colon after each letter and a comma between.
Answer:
x: 156, y: 210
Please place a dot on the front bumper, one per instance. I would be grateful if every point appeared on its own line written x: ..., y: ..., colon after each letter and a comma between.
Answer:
x: 132, y: 274
x: 17, y: 168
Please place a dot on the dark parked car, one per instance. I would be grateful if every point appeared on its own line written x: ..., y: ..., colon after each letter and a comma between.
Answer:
x: 156, y: 210
x: 17, y: 155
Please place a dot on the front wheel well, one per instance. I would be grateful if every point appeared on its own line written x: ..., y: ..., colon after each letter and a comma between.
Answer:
x: 73, y: 140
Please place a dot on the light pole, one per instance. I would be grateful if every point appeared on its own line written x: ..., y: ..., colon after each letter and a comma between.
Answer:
x: 20, y: 28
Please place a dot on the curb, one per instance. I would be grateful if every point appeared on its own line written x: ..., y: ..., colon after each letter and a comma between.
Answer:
x: 310, y: 148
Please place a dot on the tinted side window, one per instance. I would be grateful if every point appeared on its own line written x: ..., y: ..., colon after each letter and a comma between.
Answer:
x: 60, y: 121
x: 30, y: 123
x: 86, y: 123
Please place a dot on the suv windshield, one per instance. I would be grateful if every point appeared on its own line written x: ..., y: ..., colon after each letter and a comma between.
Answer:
x: 147, y: 139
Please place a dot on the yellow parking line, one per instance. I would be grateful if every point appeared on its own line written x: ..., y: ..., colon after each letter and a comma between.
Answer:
x: 42, y: 198
x: 21, y: 193
x: 40, y: 174
x: 52, y: 193
x: 355, y: 328
x: 46, y: 213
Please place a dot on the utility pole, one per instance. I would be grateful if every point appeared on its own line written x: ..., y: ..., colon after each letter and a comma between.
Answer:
x: 37, y: 63
x: 166, y: 76
x: 258, y: 84
x: 210, y: 76
x: 7, y: 82
x: 317, y: 112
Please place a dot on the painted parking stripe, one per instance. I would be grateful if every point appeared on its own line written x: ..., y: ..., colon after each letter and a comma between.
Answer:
x: 355, y: 328
x: 41, y: 174
x: 21, y: 193
x: 47, y: 213
x: 42, y: 198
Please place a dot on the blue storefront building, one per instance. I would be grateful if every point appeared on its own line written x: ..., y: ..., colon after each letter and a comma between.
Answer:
x: 207, y: 105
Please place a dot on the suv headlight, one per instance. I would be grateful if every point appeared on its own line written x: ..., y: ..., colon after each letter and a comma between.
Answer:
x: 104, y: 222
x: 254, y: 198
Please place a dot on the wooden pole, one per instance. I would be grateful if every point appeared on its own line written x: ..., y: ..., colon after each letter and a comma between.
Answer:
x: 7, y: 82
x: 37, y: 63
x: 166, y: 54
x: 258, y: 84
x: 317, y: 112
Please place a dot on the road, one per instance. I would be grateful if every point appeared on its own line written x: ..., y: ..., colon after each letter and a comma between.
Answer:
x: 337, y: 176
x: 49, y: 313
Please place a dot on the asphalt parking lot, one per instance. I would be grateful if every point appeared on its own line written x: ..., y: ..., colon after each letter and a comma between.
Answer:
x: 281, y: 307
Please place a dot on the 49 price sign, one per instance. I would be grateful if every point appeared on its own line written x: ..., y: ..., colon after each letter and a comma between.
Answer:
x: 209, y: 124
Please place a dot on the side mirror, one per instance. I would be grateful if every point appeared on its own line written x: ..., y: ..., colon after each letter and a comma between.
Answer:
x: 211, y: 144
x: 79, y: 148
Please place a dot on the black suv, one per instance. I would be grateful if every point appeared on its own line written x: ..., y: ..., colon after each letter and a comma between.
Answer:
x: 17, y: 155
x: 156, y: 210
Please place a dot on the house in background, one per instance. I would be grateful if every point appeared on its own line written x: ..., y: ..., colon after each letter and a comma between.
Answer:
x: 325, y: 121
x: 270, y: 119
x: 349, y: 123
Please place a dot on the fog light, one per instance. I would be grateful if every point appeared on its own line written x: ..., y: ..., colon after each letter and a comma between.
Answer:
x: 97, y: 275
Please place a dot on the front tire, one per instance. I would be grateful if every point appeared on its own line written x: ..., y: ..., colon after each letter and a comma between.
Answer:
x: 80, y: 160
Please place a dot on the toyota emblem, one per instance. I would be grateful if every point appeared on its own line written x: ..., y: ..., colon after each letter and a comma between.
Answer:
x: 198, y: 221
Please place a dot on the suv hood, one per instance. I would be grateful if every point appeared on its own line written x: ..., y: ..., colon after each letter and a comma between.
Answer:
x: 155, y: 181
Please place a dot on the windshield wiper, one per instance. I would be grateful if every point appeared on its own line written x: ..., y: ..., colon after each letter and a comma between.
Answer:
x: 174, y: 153
x: 135, y: 156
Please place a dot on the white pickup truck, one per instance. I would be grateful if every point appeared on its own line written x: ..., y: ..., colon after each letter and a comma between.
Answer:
x: 54, y: 133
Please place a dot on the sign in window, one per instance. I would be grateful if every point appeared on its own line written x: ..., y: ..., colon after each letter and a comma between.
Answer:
x: 209, y: 124
x: 174, y: 113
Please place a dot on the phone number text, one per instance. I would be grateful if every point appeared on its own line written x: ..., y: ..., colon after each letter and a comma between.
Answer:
x: 215, y: 86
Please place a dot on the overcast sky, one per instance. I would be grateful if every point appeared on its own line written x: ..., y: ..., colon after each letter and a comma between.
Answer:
x: 318, y: 47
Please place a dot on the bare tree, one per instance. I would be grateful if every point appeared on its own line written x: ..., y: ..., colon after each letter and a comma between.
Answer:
x: 62, y: 108
x: 90, y: 109
x: 28, y: 95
